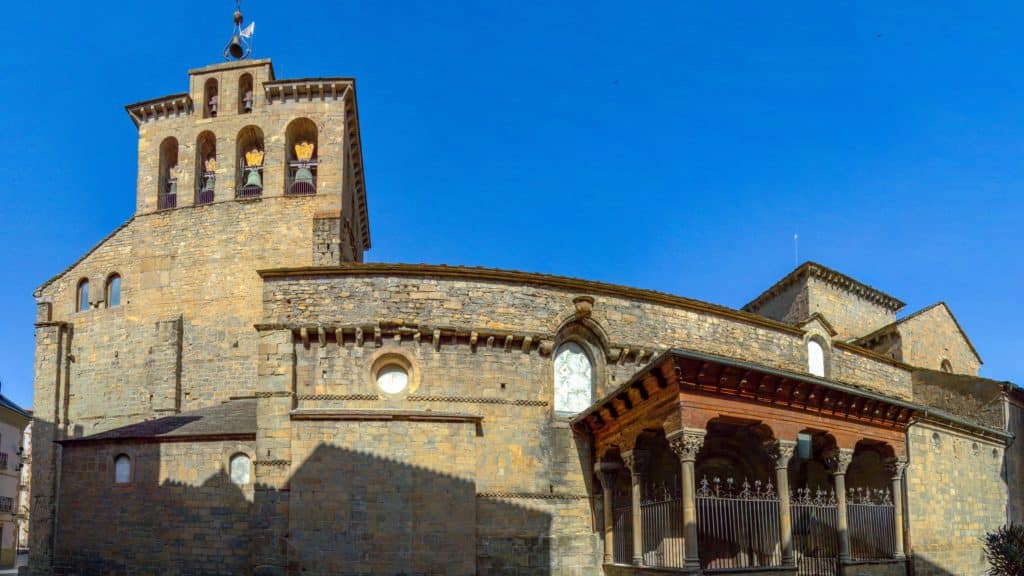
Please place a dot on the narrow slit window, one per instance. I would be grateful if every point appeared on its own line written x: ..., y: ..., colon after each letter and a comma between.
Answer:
x: 83, y: 296
x: 815, y: 358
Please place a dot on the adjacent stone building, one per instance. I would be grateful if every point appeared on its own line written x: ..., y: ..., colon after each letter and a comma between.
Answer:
x: 13, y: 422
x: 224, y: 387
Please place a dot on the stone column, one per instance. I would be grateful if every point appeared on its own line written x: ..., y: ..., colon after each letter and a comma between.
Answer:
x: 896, y: 466
x: 686, y: 443
x: 781, y: 452
x: 636, y: 461
x: 606, y: 472
x: 838, y: 461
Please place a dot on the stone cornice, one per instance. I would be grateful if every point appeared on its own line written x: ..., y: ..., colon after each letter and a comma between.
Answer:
x: 833, y: 277
x: 385, y: 415
x: 159, y: 108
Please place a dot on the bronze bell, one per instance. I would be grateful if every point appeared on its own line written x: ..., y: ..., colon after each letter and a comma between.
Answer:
x: 253, y: 180
x: 303, y: 183
x: 235, y: 47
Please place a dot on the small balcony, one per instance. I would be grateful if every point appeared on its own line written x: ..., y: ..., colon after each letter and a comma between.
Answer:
x: 6, y: 505
x: 3, y: 460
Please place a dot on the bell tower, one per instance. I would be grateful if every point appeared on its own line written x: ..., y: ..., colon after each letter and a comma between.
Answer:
x: 240, y: 134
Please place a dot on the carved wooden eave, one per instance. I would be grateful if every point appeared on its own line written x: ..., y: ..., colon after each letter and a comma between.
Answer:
x: 686, y: 371
x: 160, y: 108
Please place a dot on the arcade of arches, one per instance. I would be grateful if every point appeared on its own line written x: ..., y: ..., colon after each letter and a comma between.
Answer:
x: 705, y: 463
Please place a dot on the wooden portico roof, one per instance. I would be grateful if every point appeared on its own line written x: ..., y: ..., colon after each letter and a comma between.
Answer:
x: 680, y: 371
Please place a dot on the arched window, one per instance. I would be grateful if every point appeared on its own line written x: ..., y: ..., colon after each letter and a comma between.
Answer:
x: 122, y: 469
x: 82, y: 297
x: 946, y: 366
x: 241, y: 468
x: 301, y: 152
x: 815, y: 358
x: 113, y: 290
x: 246, y: 97
x: 249, y: 151
x: 574, y: 379
x: 206, y: 167
x: 167, y: 195
x: 210, y: 99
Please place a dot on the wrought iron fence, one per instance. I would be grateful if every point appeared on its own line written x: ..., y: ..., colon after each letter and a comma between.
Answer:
x: 815, y: 544
x: 622, y: 534
x: 872, y: 524
x: 738, y: 525
x: 661, y: 516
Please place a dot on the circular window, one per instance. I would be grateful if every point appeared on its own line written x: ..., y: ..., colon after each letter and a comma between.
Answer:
x: 392, y: 379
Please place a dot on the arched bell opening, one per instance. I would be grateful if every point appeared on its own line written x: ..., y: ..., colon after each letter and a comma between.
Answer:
x: 211, y: 100
x: 301, y: 152
x: 246, y: 96
x: 167, y: 193
x: 206, y: 167
x: 249, y: 152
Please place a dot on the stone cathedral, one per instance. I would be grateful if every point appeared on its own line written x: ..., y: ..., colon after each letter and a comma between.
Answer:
x: 223, y: 386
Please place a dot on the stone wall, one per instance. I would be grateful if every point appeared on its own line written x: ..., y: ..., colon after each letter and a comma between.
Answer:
x: 974, y: 399
x: 932, y: 336
x: 850, y: 315
x: 179, y: 514
x: 790, y: 305
x: 533, y: 304
x: 956, y: 493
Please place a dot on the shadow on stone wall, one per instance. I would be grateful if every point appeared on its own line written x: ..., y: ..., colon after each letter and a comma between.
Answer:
x: 358, y: 513
x: 346, y: 512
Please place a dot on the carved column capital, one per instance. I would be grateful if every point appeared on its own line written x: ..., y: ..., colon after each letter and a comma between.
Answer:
x: 839, y: 460
x: 896, y: 467
x: 780, y: 452
x: 686, y: 443
x: 606, y: 472
x: 636, y: 461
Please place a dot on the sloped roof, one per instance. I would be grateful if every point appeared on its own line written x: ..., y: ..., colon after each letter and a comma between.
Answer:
x: 232, y: 419
x: 10, y: 405
x: 921, y: 312
x: 831, y: 276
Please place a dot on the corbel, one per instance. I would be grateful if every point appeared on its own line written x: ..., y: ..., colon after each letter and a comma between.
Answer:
x: 545, y: 347
x: 508, y: 343
x: 490, y: 341
x: 623, y: 355
x: 339, y: 336
x: 304, y: 335
x: 472, y: 340
x: 437, y: 340
x: 321, y: 335
x: 359, y: 336
x: 527, y: 343
x: 416, y: 337
x: 376, y: 337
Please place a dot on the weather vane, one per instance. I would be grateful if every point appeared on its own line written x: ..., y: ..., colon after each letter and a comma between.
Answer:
x: 240, y: 45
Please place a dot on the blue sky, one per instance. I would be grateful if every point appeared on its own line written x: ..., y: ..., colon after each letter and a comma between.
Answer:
x: 668, y: 145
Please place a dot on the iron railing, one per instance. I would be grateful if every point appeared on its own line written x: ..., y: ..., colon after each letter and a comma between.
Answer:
x: 246, y: 183
x: 3, y: 460
x: 872, y: 524
x: 661, y: 516
x: 6, y: 504
x: 622, y: 534
x: 168, y: 197
x: 738, y: 526
x: 204, y: 193
x: 301, y: 179
x: 814, y: 521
